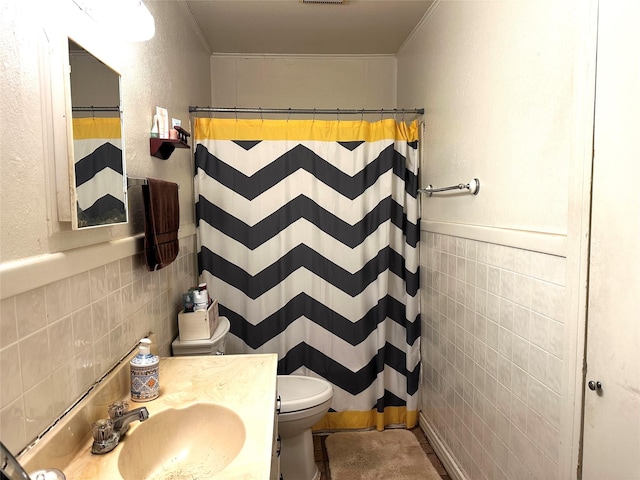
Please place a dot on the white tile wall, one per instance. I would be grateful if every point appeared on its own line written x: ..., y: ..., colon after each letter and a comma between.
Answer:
x: 492, y: 337
x: 57, y: 340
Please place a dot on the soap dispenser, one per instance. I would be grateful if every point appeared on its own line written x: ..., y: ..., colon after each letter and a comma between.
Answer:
x: 145, y: 373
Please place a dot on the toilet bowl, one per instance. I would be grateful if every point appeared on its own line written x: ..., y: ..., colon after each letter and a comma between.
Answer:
x: 210, y: 346
x: 303, y: 403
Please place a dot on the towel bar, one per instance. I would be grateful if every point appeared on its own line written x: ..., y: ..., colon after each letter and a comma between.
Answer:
x: 473, y: 186
x: 133, y: 181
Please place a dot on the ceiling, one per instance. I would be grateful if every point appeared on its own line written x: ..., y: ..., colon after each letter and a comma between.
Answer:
x: 356, y: 27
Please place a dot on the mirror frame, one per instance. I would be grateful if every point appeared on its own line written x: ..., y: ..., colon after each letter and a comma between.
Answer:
x: 72, y: 21
x: 58, y: 123
x: 73, y: 200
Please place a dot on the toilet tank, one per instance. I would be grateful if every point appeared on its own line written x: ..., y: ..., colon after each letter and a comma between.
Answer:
x: 210, y: 346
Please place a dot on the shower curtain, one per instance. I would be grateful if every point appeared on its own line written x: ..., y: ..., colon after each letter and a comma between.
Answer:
x: 97, y: 147
x: 308, y: 237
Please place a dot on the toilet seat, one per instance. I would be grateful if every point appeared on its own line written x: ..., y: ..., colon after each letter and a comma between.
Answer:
x: 298, y: 392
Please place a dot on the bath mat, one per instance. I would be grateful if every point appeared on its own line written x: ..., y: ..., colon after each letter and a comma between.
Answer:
x: 374, y: 455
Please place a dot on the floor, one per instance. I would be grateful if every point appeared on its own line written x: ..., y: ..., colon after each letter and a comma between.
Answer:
x: 323, y: 461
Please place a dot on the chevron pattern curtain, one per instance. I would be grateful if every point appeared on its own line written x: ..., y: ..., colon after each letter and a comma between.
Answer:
x: 308, y: 237
x: 97, y: 148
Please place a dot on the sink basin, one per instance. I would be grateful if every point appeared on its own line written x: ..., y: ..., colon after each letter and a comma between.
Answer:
x: 192, y: 442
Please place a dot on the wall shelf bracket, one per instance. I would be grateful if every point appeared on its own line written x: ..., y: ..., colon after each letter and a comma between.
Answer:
x: 163, y: 147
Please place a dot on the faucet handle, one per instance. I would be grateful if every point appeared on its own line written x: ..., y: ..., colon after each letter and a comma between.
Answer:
x: 104, y: 438
x: 102, y: 429
x: 118, y: 409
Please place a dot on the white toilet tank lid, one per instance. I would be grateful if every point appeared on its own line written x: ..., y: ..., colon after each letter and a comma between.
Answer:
x: 298, y: 392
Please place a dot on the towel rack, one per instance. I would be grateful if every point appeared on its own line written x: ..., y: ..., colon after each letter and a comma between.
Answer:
x: 473, y: 186
x: 133, y: 181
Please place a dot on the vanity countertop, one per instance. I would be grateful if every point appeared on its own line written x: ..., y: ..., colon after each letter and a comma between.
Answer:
x: 245, y: 384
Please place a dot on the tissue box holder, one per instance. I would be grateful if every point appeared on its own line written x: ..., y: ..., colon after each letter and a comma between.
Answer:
x: 198, y: 325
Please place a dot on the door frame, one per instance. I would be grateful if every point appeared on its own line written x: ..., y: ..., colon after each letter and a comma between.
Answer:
x: 578, y: 240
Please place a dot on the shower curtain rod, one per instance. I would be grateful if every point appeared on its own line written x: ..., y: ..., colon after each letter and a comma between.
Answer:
x: 307, y: 111
x: 95, y: 109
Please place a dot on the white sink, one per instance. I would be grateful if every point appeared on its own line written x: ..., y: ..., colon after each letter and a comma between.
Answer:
x: 193, y: 442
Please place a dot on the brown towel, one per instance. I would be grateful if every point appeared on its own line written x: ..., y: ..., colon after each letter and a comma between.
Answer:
x: 162, y: 220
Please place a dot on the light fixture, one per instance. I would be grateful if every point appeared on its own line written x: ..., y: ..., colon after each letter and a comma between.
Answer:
x: 140, y: 26
x: 130, y: 18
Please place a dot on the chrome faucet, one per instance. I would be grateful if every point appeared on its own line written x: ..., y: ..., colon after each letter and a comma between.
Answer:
x: 9, y: 466
x: 122, y: 417
x: 107, y: 432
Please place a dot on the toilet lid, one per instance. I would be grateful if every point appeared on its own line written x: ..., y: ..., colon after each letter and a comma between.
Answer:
x: 299, y: 393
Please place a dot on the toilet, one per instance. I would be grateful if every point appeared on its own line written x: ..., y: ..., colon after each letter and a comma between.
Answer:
x: 211, y: 346
x: 303, y: 403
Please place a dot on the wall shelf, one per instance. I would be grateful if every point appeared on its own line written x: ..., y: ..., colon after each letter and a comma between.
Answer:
x: 163, y: 147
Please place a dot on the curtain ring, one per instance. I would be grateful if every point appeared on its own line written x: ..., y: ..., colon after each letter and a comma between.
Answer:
x: 289, y: 115
x: 362, y: 115
x: 313, y: 119
x: 381, y: 114
x: 261, y: 118
x: 395, y: 115
x: 338, y: 114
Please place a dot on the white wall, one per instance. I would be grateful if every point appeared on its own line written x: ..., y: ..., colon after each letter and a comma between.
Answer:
x: 303, y: 81
x: 74, y: 302
x: 497, y: 81
x: 507, y: 89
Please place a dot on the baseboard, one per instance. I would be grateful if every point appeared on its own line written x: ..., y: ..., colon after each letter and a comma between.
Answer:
x: 447, y: 460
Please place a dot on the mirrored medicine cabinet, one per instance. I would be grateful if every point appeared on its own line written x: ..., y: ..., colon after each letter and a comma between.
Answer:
x: 95, y: 141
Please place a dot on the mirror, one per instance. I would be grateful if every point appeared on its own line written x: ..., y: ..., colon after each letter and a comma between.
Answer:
x: 97, y: 165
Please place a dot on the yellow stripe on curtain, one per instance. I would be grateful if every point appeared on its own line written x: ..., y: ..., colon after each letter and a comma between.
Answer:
x: 300, y: 130
x: 96, y: 127
x: 351, y: 420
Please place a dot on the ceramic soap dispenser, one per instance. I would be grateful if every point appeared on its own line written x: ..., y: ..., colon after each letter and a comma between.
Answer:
x: 145, y: 374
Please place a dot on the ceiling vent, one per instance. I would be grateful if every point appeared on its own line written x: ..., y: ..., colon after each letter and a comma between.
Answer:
x: 334, y: 2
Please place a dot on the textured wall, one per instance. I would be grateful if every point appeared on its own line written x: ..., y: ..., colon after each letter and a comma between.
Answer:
x: 23, y: 201
x: 171, y: 70
x: 304, y: 82
x: 66, y: 317
x: 496, y: 80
